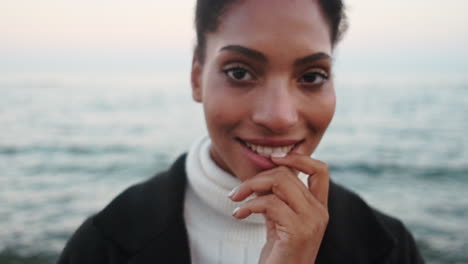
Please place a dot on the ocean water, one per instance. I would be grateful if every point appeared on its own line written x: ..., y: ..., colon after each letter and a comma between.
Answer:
x: 70, y: 142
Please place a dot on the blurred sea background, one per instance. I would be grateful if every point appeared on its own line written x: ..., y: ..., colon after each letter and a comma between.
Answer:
x: 95, y: 97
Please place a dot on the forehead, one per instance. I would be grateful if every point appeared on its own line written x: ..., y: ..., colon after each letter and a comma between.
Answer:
x: 257, y: 23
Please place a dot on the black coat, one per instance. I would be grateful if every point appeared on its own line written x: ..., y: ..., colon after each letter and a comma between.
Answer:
x: 145, y: 224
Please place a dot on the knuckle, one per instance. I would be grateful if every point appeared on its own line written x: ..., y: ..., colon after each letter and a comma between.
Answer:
x: 321, y: 212
x: 310, y: 227
x: 323, y: 167
x: 270, y: 203
x: 281, y: 170
x: 318, y: 227
x: 278, y: 175
x: 319, y: 218
x: 271, y: 199
x: 325, y: 217
x: 263, y: 200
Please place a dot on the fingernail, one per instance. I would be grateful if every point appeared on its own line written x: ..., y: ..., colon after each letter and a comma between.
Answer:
x: 278, y: 155
x: 235, y: 211
x: 233, y: 192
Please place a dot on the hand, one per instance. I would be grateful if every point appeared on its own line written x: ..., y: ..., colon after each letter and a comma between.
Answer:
x: 296, y: 216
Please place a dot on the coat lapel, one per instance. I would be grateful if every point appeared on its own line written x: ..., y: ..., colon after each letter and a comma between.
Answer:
x: 151, y: 225
x: 150, y: 214
x: 354, y: 233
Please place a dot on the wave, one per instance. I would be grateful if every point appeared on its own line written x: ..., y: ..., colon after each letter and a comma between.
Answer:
x: 11, y: 256
x: 71, y: 149
x: 436, y: 172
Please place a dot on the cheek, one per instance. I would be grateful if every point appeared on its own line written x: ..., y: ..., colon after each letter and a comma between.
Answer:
x: 321, y: 113
x: 330, y: 107
x: 222, y: 108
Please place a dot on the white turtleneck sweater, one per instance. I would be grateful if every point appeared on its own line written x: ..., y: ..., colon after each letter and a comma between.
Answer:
x: 215, y: 236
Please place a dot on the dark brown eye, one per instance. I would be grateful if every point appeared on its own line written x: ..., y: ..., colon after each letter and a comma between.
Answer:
x: 313, y: 78
x: 238, y: 74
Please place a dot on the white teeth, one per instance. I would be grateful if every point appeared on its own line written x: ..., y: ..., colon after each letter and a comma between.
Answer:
x: 260, y: 149
x: 268, y: 151
x: 279, y: 151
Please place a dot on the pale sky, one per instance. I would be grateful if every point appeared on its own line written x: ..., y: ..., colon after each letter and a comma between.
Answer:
x: 153, y: 32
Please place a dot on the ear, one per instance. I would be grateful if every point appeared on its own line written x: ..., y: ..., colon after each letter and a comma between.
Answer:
x: 197, y: 69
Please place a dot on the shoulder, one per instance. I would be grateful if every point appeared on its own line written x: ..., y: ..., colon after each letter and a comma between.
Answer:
x: 89, y: 245
x: 406, y: 249
x: 130, y: 220
x: 367, y: 233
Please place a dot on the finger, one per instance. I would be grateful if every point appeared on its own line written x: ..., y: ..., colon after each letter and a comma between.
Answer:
x: 301, y: 162
x: 319, y: 188
x: 270, y: 206
x: 278, y: 182
x: 317, y: 170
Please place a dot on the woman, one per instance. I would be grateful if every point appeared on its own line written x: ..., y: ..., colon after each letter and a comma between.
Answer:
x: 263, y: 72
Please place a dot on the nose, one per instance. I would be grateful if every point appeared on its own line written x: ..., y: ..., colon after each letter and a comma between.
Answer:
x: 275, y: 108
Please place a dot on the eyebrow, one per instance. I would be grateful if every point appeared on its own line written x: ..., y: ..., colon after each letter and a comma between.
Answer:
x: 257, y: 55
x: 312, y: 58
x: 251, y: 53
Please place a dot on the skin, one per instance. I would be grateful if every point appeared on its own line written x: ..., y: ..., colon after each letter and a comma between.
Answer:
x: 272, y: 93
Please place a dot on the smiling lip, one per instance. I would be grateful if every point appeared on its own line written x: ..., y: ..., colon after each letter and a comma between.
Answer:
x: 259, y: 151
x: 271, y: 142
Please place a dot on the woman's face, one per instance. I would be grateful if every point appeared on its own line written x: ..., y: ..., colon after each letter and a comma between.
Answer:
x: 265, y: 83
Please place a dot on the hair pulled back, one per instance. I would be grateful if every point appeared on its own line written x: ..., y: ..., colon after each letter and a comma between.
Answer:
x: 208, y: 14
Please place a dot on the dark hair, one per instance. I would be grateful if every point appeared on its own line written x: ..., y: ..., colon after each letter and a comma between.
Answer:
x: 209, y: 12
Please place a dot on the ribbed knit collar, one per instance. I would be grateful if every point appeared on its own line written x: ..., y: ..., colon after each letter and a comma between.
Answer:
x: 211, y: 183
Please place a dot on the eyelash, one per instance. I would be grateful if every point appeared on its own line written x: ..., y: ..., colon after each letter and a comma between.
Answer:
x: 316, y: 74
x: 230, y: 70
x: 325, y: 77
